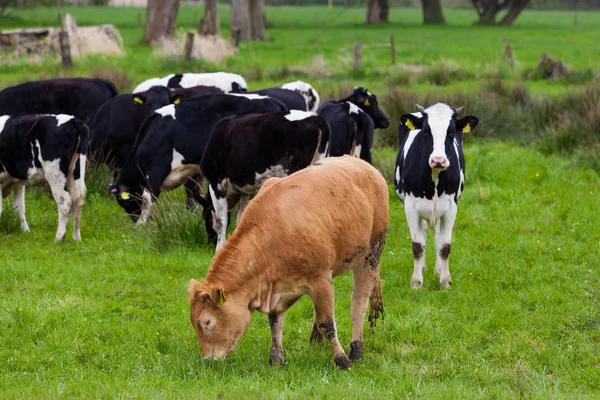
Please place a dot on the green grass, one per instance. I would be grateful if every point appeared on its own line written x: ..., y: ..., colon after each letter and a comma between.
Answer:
x: 108, y: 318
x: 294, y: 40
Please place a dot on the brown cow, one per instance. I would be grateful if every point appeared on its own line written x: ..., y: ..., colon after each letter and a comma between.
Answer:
x: 294, y: 237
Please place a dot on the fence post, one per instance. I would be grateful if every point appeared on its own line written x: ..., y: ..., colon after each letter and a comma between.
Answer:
x: 393, y: 49
x: 189, y: 46
x: 63, y: 42
x: 139, y: 20
x: 357, y: 56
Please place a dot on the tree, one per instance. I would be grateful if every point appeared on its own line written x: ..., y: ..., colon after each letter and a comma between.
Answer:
x: 161, y: 19
x: 432, y: 12
x: 378, y: 11
x: 257, y: 19
x: 489, y: 9
x: 209, y: 25
x: 248, y: 16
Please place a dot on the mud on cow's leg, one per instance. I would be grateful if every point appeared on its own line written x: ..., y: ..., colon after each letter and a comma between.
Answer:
x: 315, y: 335
x: 323, y: 298
x: 19, y: 204
x: 276, y: 321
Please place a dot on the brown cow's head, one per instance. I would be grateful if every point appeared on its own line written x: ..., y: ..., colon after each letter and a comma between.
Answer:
x: 219, y: 322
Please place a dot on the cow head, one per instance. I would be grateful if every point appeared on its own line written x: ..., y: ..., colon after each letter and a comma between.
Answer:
x: 440, y: 126
x: 219, y: 322
x: 368, y: 103
x: 128, y: 198
x: 156, y: 97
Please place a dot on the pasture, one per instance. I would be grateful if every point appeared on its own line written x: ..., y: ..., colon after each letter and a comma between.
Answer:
x: 108, y: 317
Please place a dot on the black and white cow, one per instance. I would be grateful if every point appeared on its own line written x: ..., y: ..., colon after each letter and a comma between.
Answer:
x: 352, y: 121
x: 292, y: 99
x: 246, y: 150
x: 80, y: 97
x: 430, y: 178
x: 51, y: 148
x: 311, y: 97
x: 170, y: 145
x: 225, y: 81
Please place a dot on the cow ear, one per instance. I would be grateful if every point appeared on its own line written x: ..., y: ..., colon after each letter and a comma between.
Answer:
x: 467, y: 124
x: 411, y: 121
x: 196, y: 293
x: 138, y: 100
x: 218, y: 296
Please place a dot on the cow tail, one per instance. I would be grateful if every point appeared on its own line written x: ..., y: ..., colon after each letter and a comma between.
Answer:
x: 322, y: 149
x: 78, y: 165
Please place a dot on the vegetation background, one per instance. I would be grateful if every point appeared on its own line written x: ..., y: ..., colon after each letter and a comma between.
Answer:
x: 108, y: 318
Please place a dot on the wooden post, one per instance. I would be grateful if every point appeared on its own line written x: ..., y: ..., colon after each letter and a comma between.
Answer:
x: 357, y: 56
x: 330, y: 3
x: 65, y: 49
x: 139, y: 20
x: 189, y: 46
x: 393, y: 49
x: 508, y: 53
x: 576, y: 20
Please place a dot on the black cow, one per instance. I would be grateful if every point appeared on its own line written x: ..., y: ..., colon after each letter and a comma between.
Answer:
x: 170, y: 145
x: 80, y: 97
x: 429, y: 180
x: 117, y: 122
x: 244, y: 151
x: 52, y: 148
x: 226, y: 81
x: 292, y: 99
x: 351, y: 130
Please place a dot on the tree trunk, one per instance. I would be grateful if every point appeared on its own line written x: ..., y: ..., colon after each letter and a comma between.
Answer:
x: 487, y: 16
x: 432, y: 12
x: 377, y: 11
x: 513, y: 12
x: 209, y: 25
x: 257, y: 19
x: 240, y: 18
x: 161, y: 19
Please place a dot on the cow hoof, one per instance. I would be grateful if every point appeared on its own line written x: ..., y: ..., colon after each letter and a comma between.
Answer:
x: 276, y: 356
x: 447, y: 283
x: 342, y: 361
x: 315, y: 335
x: 416, y: 284
x: 356, y: 350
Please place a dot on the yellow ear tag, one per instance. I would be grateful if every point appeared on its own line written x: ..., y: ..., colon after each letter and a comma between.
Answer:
x: 367, y: 103
x: 222, y: 297
x: 410, y: 125
x: 125, y: 196
x: 138, y: 100
x: 467, y: 128
x: 177, y: 100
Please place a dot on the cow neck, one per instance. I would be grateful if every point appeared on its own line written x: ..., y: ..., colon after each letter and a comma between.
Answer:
x: 241, y: 267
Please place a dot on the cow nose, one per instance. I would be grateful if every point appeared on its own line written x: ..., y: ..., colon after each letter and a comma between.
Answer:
x: 438, y: 162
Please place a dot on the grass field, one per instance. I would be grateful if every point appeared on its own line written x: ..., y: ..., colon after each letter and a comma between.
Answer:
x: 108, y: 318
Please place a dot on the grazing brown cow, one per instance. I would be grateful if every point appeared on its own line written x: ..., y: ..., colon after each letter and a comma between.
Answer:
x: 294, y: 237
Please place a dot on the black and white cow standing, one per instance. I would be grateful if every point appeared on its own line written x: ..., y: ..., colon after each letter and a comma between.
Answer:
x: 52, y: 148
x: 225, y: 81
x: 352, y: 121
x: 170, y: 145
x: 311, y: 96
x: 80, y: 97
x: 246, y: 150
x: 429, y: 180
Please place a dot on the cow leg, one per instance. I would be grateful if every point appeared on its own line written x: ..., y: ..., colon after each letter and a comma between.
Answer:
x: 193, y: 191
x: 322, y: 297
x: 315, y: 335
x: 242, y: 206
x: 78, y: 192
x: 1, y: 198
x: 57, y: 180
x: 418, y: 233
x: 19, y: 204
x: 276, y: 321
x: 443, y: 247
x: 222, y: 216
x: 146, y: 206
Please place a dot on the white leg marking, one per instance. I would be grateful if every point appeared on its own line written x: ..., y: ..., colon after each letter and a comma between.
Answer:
x: 57, y: 180
x: 221, y: 209
x: 146, y: 206
x: 19, y: 203
x: 78, y: 192
x: 418, y: 233
x: 444, y: 238
x: 357, y: 150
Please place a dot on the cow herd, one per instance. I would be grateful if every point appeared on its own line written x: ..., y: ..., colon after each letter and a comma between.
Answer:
x: 306, y: 209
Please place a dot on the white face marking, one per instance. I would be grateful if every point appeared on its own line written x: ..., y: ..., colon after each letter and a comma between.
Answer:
x: 3, y: 120
x: 167, y: 111
x: 306, y: 90
x: 63, y: 119
x: 297, y: 115
x: 251, y: 96
x: 409, y: 141
x: 354, y: 109
x: 439, y: 116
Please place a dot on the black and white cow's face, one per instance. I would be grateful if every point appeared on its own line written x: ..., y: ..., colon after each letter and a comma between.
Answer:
x: 368, y: 103
x: 439, y: 128
x: 156, y: 97
x: 129, y: 199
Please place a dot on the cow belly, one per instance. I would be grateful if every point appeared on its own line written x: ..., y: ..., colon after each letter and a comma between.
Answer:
x: 179, y: 175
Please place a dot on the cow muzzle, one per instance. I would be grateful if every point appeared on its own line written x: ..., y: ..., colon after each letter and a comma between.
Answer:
x: 440, y: 163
